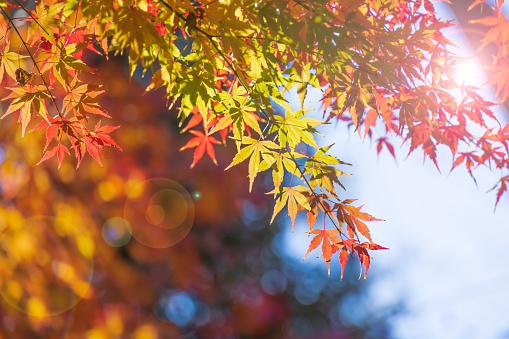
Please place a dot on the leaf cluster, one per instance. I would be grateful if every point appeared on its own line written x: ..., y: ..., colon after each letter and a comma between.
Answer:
x: 227, y: 65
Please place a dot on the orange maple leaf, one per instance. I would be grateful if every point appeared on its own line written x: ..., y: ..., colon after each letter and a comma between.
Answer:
x: 352, y: 216
x: 325, y: 237
x: 343, y: 258
x: 499, y: 31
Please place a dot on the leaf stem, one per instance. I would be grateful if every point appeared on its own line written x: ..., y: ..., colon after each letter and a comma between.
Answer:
x: 303, y: 177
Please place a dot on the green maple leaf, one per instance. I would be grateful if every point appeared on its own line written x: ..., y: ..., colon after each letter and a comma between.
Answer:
x: 9, y: 63
x: 322, y: 171
x: 46, y: 17
x: 255, y: 150
x: 293, y: 128
x: 279, y: 161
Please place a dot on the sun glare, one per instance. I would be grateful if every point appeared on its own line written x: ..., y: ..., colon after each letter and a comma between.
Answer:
x: 469, y: 72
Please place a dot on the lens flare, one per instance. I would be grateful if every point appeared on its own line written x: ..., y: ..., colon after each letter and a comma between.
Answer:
x: 469, y: 72
x: 117, y: 232
x: 160, y: 212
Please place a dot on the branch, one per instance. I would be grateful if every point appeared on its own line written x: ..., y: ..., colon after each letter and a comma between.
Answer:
x: 214, y: 44
x: 303, y: 177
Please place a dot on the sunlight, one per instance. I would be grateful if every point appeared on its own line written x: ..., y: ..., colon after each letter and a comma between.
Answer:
x: 469, y: 72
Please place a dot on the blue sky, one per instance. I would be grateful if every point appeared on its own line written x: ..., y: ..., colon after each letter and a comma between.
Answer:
x: 448, y: 249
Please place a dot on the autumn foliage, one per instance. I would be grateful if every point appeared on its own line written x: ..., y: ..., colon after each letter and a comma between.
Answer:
x: 226, y: 66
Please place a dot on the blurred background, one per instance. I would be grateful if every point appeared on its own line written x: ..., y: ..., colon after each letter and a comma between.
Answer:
x: 144, y: 247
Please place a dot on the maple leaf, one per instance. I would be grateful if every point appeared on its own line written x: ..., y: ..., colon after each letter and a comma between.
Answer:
x: 318, y: 201
x: 46, y: 17
x: 193, y: 122
x: 302, y: 76
x: 58, y: 150
x: 369, y: 121
x: 353, y: 216
x: 470, y: 158
x: 361, y: 249
x: 475, y: 3
x: 499, y: 31
x: 329, y: 240
x: 80, y: 150
x: 323, y: 172
x: 365, y: 259
x: 52, y: 126
x: 256, y: 151
x: 100, y: 135
x: 383, y: 141
x: 9, y: 61
x: 93, y: 149
x: 279, y: 162
x: 237, y: 117
x: 499, y: 77
x: 237, y: 112
x: 376, y: 247
x: 140, y: 39
x: 28, y: 99
x: 343, y: 258
x: 73, y: 97
x: 420, y: 135
x: 292, y: 128
x: 294, y: 197
x: 237, y: 95
x: 312, y: 214
x: 202, y: 142
x: 503, y: 188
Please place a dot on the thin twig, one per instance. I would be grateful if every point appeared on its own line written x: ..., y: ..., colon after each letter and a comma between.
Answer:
x: 32, y: 17
x: 35, y: 63
x: 302, y: 176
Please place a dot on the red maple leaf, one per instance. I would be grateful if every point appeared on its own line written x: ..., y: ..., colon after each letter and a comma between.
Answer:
x: 471, y: 159
x: 383, y: 141
x: 100, y: 135
x: 352, y: 216
x: 202, y: 142
x: 503, y: 187
x: 362, y: 252
x: 59, y: 151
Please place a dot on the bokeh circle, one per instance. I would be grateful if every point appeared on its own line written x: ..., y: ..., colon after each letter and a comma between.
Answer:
x: 46, y: 265
x: 160, y: 212
x: 117, y: 232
